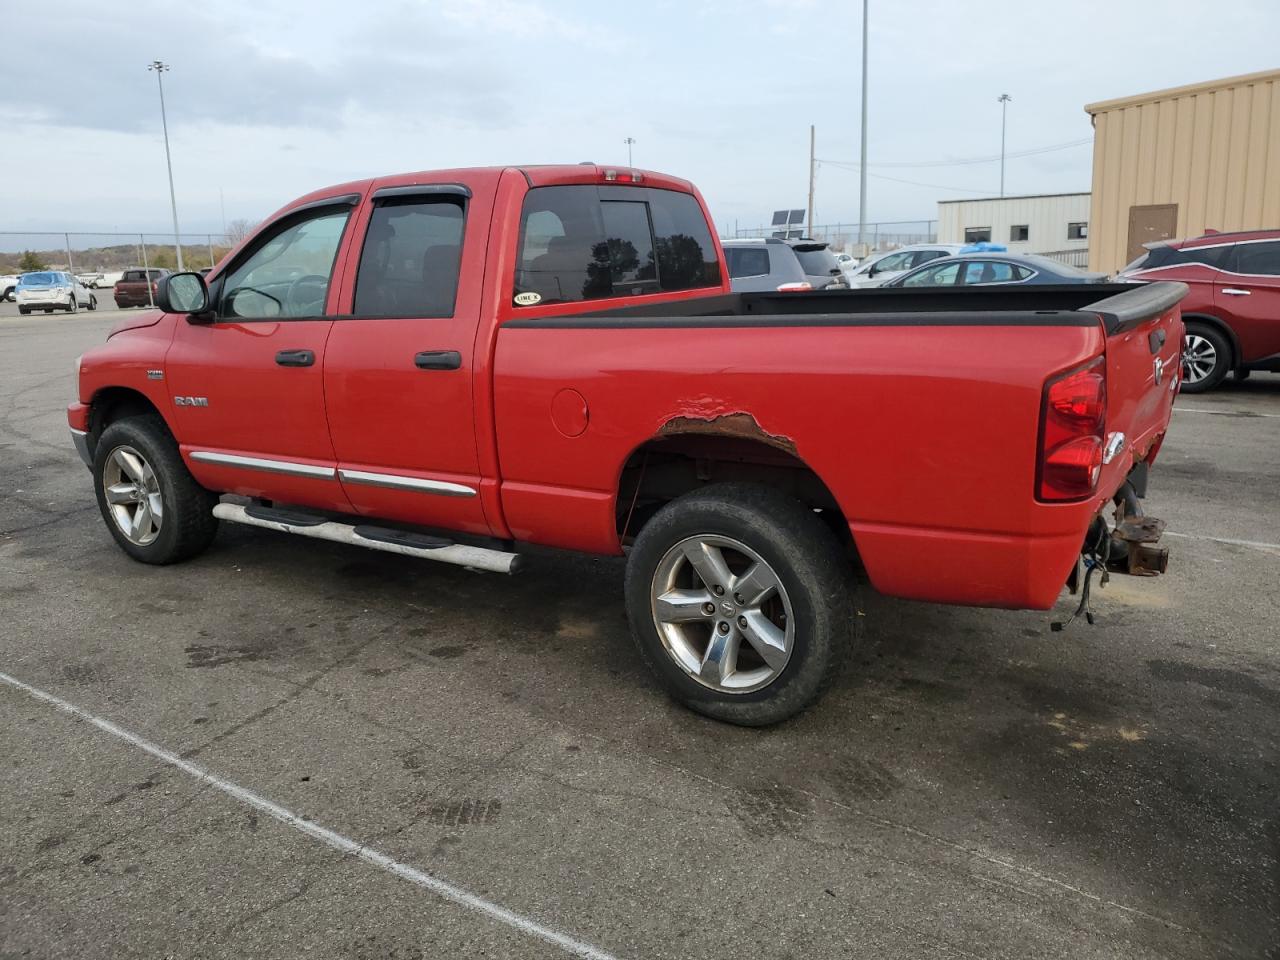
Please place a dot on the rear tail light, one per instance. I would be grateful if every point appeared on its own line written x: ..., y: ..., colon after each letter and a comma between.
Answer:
x: 793, y: 287
x: 1073, y: 418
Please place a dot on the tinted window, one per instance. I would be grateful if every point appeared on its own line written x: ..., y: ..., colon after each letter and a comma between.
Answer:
x: 36, y: 279
x: 409, y: 264
x: 629, y: 248
x: 133, y: 276
x: 1163, y: 256
x: 576, y: 246
x: 1263, y: 258
x: 976, y: 234
x: 686, y: 253
x: 1019, y: 231
x: 818, y: 263
x: 943, y: 273
x: 287, y: 275
x: 1077, y: 231
x: 747, y: 261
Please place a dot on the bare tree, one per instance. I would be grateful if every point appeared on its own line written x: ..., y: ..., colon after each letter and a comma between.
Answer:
x: 237, y: 230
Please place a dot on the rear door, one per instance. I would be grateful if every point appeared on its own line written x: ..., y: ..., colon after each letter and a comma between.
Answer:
x: 398, y: 373
x: 1246, y: 294
x: 247, y: 389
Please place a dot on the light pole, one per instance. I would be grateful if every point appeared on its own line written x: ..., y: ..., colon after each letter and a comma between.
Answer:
x: 862, y: 164
x: 1003, y: 100
x: 629, y: 141
x: 160, y: 67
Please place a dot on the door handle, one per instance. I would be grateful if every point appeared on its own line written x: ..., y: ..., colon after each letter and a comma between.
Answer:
x: 295, y: 358
x: 438, y: 360
x: 1236, y: 292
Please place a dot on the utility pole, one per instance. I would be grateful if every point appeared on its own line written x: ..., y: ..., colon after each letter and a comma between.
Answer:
x: 813, y: 165
x: 629, y: 141
x: 1003, y: 100
x: 160, y: 67
x: 862, y: 165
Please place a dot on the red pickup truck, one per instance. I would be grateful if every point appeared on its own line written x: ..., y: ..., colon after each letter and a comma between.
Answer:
x: 448, y: 365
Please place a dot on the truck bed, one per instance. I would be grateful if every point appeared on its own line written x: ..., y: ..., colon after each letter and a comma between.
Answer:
x: 1119, y: 305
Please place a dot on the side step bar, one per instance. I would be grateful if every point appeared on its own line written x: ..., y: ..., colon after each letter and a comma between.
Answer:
x: 374, y: 538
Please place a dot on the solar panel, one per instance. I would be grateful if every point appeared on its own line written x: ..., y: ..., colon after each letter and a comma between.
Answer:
x: 797, y: 216
x: 779, y: 217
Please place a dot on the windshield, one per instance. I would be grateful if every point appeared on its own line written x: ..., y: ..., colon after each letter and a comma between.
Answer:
x: 38, y: 279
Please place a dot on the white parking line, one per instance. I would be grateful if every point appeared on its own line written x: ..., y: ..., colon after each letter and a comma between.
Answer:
x: 343, y: 844
x: 1242, y: 414
x: 1255, y: 544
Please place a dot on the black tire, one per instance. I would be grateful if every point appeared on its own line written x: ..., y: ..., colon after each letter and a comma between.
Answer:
x: 189, y: 525
x: 1223, y: 359
x: 93, y: 302
x: 73, y: 306
x: 24, y: 310
x: 808, y: 562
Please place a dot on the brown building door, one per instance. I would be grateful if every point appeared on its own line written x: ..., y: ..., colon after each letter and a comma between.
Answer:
x: 1146, y: 224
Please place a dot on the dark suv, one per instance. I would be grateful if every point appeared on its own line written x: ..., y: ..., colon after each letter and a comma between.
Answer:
x: 1233, y: 310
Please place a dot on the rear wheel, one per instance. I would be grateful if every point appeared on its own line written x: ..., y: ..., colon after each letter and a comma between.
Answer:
x: 1206, y: 358
x: 93, y: 302
x: 740, y: 603
x: 73, y: 305
x: 24, y: 310
x: 152, y: 505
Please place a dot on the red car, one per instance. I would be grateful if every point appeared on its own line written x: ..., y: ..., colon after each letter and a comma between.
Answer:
x: 448, y: 365
x: 1232, y: 312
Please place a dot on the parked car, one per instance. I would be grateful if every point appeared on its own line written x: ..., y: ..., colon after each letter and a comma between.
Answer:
x: 983, y: 269
x: 847, y: 261
x: 8, y: 285
x: 110, y: 279
x: 50, y: 290
x: 878, y: 269
x: 90, y: 280
x: 764, y: 264
x: 137, y: 286
x: 788, y: 265
x: 1232, y: 313
x: 820, y: 266
x: 599, y: 388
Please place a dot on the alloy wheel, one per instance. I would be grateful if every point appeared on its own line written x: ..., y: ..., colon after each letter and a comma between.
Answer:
x: 133, y: 495
x: 723, y: 614
x: 1199, y: 357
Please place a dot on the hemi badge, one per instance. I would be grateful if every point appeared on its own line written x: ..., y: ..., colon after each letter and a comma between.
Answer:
x: 1115, y: 443
x: 155, y: 374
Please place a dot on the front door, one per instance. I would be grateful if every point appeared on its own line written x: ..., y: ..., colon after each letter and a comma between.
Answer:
x: 1246, y: 294
x: 248, y: 388
x: 398, y: 370
x: 1148, y: 224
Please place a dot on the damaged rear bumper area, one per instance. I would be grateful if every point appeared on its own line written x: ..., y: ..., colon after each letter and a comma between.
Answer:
x: 1130, y: 544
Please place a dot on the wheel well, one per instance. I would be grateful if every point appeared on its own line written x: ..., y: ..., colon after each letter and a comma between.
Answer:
x: 1222, y: 328
x: 676, y: 463
x: 113, y: 403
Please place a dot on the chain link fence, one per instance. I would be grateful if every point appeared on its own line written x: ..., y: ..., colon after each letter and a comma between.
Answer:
x: 107, y: 253
x: 843, y: 237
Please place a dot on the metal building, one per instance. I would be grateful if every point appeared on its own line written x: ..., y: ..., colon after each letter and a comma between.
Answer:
x: 1175, y: 162
x: 1056, y: 223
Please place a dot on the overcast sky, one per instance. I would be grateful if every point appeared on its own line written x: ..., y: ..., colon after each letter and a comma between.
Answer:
x: 268, y: 100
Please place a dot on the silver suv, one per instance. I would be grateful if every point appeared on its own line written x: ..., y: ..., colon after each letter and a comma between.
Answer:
x: 757, y: 265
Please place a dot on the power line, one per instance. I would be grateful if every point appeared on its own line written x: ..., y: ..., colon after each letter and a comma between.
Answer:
x: 970, y: 160
x: 914, y: 183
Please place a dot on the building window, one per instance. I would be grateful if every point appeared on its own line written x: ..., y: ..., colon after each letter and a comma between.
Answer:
x: 1019, y: 231
x: 977, y: 234
x: 1077, y: 231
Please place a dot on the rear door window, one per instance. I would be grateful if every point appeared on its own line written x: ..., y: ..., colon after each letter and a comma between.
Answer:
x: 585, y: 243
x: 409, y: 263
x: 942, y: 275
x: 747, y: 261
x: 1256, y: 258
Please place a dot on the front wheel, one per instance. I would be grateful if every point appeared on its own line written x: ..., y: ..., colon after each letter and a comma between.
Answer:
x: 740, y: 603
x: 152, y: 505
x: 1206, y: 358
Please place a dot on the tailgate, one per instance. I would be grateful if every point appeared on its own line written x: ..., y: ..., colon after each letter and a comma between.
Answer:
x: 1144, y: 367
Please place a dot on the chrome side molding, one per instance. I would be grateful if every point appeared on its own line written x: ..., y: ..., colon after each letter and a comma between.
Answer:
x: 264, y: 464
x: 398, y: 482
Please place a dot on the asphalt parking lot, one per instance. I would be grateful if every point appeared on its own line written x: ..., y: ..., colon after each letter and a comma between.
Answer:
x: 976, y: 786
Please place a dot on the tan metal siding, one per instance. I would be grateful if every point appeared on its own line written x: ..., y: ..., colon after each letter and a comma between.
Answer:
x: 1213, y: 149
